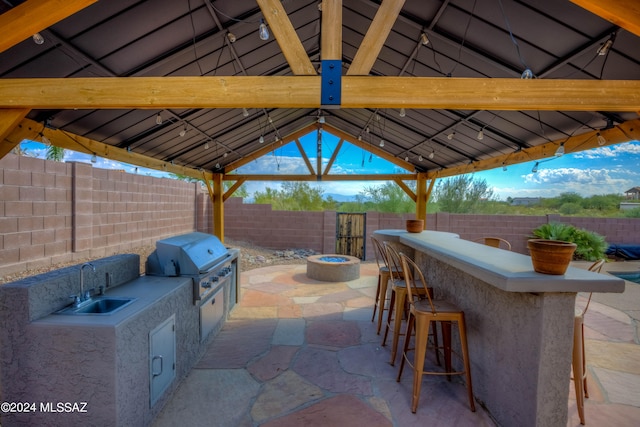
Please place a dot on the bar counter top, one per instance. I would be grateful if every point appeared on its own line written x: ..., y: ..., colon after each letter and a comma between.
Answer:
x: 506, y: 270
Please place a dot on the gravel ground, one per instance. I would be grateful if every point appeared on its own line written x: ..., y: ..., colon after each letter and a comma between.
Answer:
x: 251, y: 257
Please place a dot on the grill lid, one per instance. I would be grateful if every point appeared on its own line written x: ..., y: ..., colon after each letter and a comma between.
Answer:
x: 191, y: 253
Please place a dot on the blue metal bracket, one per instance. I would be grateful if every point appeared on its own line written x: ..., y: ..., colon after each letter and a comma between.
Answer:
x: 331, y: 84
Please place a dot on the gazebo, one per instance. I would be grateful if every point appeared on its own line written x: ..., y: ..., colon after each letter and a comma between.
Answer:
x: 200, y: 88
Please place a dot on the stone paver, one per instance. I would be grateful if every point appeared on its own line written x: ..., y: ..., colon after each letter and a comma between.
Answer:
x: 301, y: 352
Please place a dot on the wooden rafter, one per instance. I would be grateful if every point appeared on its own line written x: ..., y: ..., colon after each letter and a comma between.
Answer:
x: 286, y: 37
x: 9, y: 119
x: 623, y: 13
x: 304, y: 92
x: 331, y: 35
x: 624, y: 132
x: 33, y: 16
x: 304, y: 156
x: 406, y: 189
x: 375, y: 37
x: 334, y: 155
x: 31, y: 130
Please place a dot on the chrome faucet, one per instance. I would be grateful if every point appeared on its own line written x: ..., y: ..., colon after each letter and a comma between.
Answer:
x: 84, y: 296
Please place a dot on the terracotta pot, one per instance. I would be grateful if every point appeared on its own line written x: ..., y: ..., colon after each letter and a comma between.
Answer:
x: 415, y: 225
x: 551, y: 256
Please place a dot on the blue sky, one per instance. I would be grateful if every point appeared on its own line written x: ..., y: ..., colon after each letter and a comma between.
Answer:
x: 605, y: 170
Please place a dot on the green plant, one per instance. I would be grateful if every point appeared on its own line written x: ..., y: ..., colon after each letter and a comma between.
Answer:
x: 590, y: 246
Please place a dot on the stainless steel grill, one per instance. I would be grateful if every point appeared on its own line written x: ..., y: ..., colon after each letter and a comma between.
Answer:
x: 212, y: 267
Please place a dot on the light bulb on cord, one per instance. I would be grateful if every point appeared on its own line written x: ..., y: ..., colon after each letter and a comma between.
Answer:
x: 560, y: 150
x: 263, y: 31
x: 451, y: 135
x: 183, y: 132
x: 527, y: 74
x: 206, y: 145
x: 94, y: 158
x: 424, y: 39
x: 245, y: 112
x: 406, y: 158
x: 217, y: 165
x: 403, y: 113
x: 225, y: 154
x: 158, y: 119
x: 45, y: 140
x: 420, y: 158
x: 37, y: 38
x: 432, y: 154
x: 382, y: 143
x: 481, y: 135
x: 601, y: 139
x: 231, y: 37
x: 261, y: 139
x: 504, y: 167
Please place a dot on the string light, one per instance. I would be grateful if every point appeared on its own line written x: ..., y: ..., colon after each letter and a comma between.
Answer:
x: 424, y: 39
x: 406, y: 158
x: 37, y: 38
x: 94, y: 158
x: 432, y: 154
x: 481, y: 134
x: 183, y: 132
x: 402, y: 113
x: 601, y: 139
x: 451, y: 135
x: 158, y: 119
x: 535, y: 168
x: 527, y: 74
x: 420, y: 158
x: 261, y: 139
x: 206, y: 145
x: 231, y: 37
x: 560, y: 150
x: 382, y: 143
x: 245, y: 112
x: 263, y: 31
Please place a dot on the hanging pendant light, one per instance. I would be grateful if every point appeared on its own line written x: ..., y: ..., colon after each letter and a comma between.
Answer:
x: 37, y: 38
x: 403, y: 112
x: 263, y: 31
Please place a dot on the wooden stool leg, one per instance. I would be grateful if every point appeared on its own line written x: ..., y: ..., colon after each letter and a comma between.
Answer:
x: 421, y: 336
x: 462, y: 329
x: 401, y: 298
x: 383, y: 298
x: 577, y: 363
x: 446, y: 344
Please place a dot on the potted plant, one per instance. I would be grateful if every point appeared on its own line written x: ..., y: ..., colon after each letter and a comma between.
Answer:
x: 552, y: 250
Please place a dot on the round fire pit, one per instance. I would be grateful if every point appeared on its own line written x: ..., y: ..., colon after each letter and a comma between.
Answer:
x: 333, y: 268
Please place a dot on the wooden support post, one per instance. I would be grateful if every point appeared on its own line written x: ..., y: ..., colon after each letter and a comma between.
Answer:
x: 218, y: 206
x: 421, y: 198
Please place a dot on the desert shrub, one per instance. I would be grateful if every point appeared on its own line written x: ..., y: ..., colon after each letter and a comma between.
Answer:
x: 590, y: 246
x: 571, y: 208
x: 632, y: 213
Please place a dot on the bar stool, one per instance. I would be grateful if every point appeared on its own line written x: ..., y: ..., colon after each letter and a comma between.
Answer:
x: 398, y: 301
x: 383, y: 280
x: 423, y: 311
x: 495, y: 242
x: 578, y: 358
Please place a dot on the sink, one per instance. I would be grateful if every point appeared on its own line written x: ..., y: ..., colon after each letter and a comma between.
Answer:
x: 98, y: 306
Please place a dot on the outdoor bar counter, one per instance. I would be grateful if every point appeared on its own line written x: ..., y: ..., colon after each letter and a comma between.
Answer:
x: 519, y: 322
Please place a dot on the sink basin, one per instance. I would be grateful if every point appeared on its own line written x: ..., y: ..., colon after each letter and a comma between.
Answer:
x: 99, y: 306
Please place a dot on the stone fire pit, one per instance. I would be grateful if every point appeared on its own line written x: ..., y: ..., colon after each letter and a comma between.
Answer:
x: 333, y: 268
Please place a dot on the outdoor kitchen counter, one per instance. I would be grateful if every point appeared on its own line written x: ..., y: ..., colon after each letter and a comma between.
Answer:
x: 519, y: 322
x: 147, y: 290
x: 506, y: 270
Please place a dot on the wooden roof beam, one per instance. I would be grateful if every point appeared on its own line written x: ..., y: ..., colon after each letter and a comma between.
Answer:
x: 624, y: 132
x: 375, y: 37
x: 9, y: 119
x: 287, y: 38
x: 32, y: 130
x: 304, y: 92
x: 331, y: 31
x: 33, y: 16
x: 623, y: 13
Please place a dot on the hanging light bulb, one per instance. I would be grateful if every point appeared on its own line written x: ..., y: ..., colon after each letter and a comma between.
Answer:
x: 504, y: 167
x: 183, y: 132
x: 206, y: 145
x: 94, y: 158
x: 225, y: 154
x: 402, y: 113
x: 602, y: 50
x: 231, y: 37
x: 481, y: 134
x: 359, y: 137
x: 451, y: 135
x: 527, y: 74
x: 424, y: 39
x: 321, y: 119
x: 420, y: 158
x: 406, y: 158
x: 261, y: 139
x: 560, y: 150
x: 535, y: 168
x: 370, y: 157
x: 45, y: 140
x: 263, y: 31
x: 382, y: 143
x: 367, y: 129
x: 245, y: 112
x: 37, y: 38
x: 601, y: 139
x: 432, y: 154
x: 158, y: 119
x: 217, y: 165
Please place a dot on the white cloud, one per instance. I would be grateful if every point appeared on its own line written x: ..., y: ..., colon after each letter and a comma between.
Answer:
x: 612, y: 151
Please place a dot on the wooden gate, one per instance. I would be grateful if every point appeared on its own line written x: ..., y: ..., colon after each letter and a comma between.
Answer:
x: 350, y: 234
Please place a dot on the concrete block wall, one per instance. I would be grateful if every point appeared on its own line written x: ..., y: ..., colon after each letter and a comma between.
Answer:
x: 54, y: 212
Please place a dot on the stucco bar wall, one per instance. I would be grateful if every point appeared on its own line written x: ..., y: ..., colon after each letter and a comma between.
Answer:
x: 519, y: 323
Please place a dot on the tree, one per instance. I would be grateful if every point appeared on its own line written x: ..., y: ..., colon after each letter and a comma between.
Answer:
x: 55, y: 153
x: 294, y: 196
x: 390, y: 198
x: 462, y: 194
